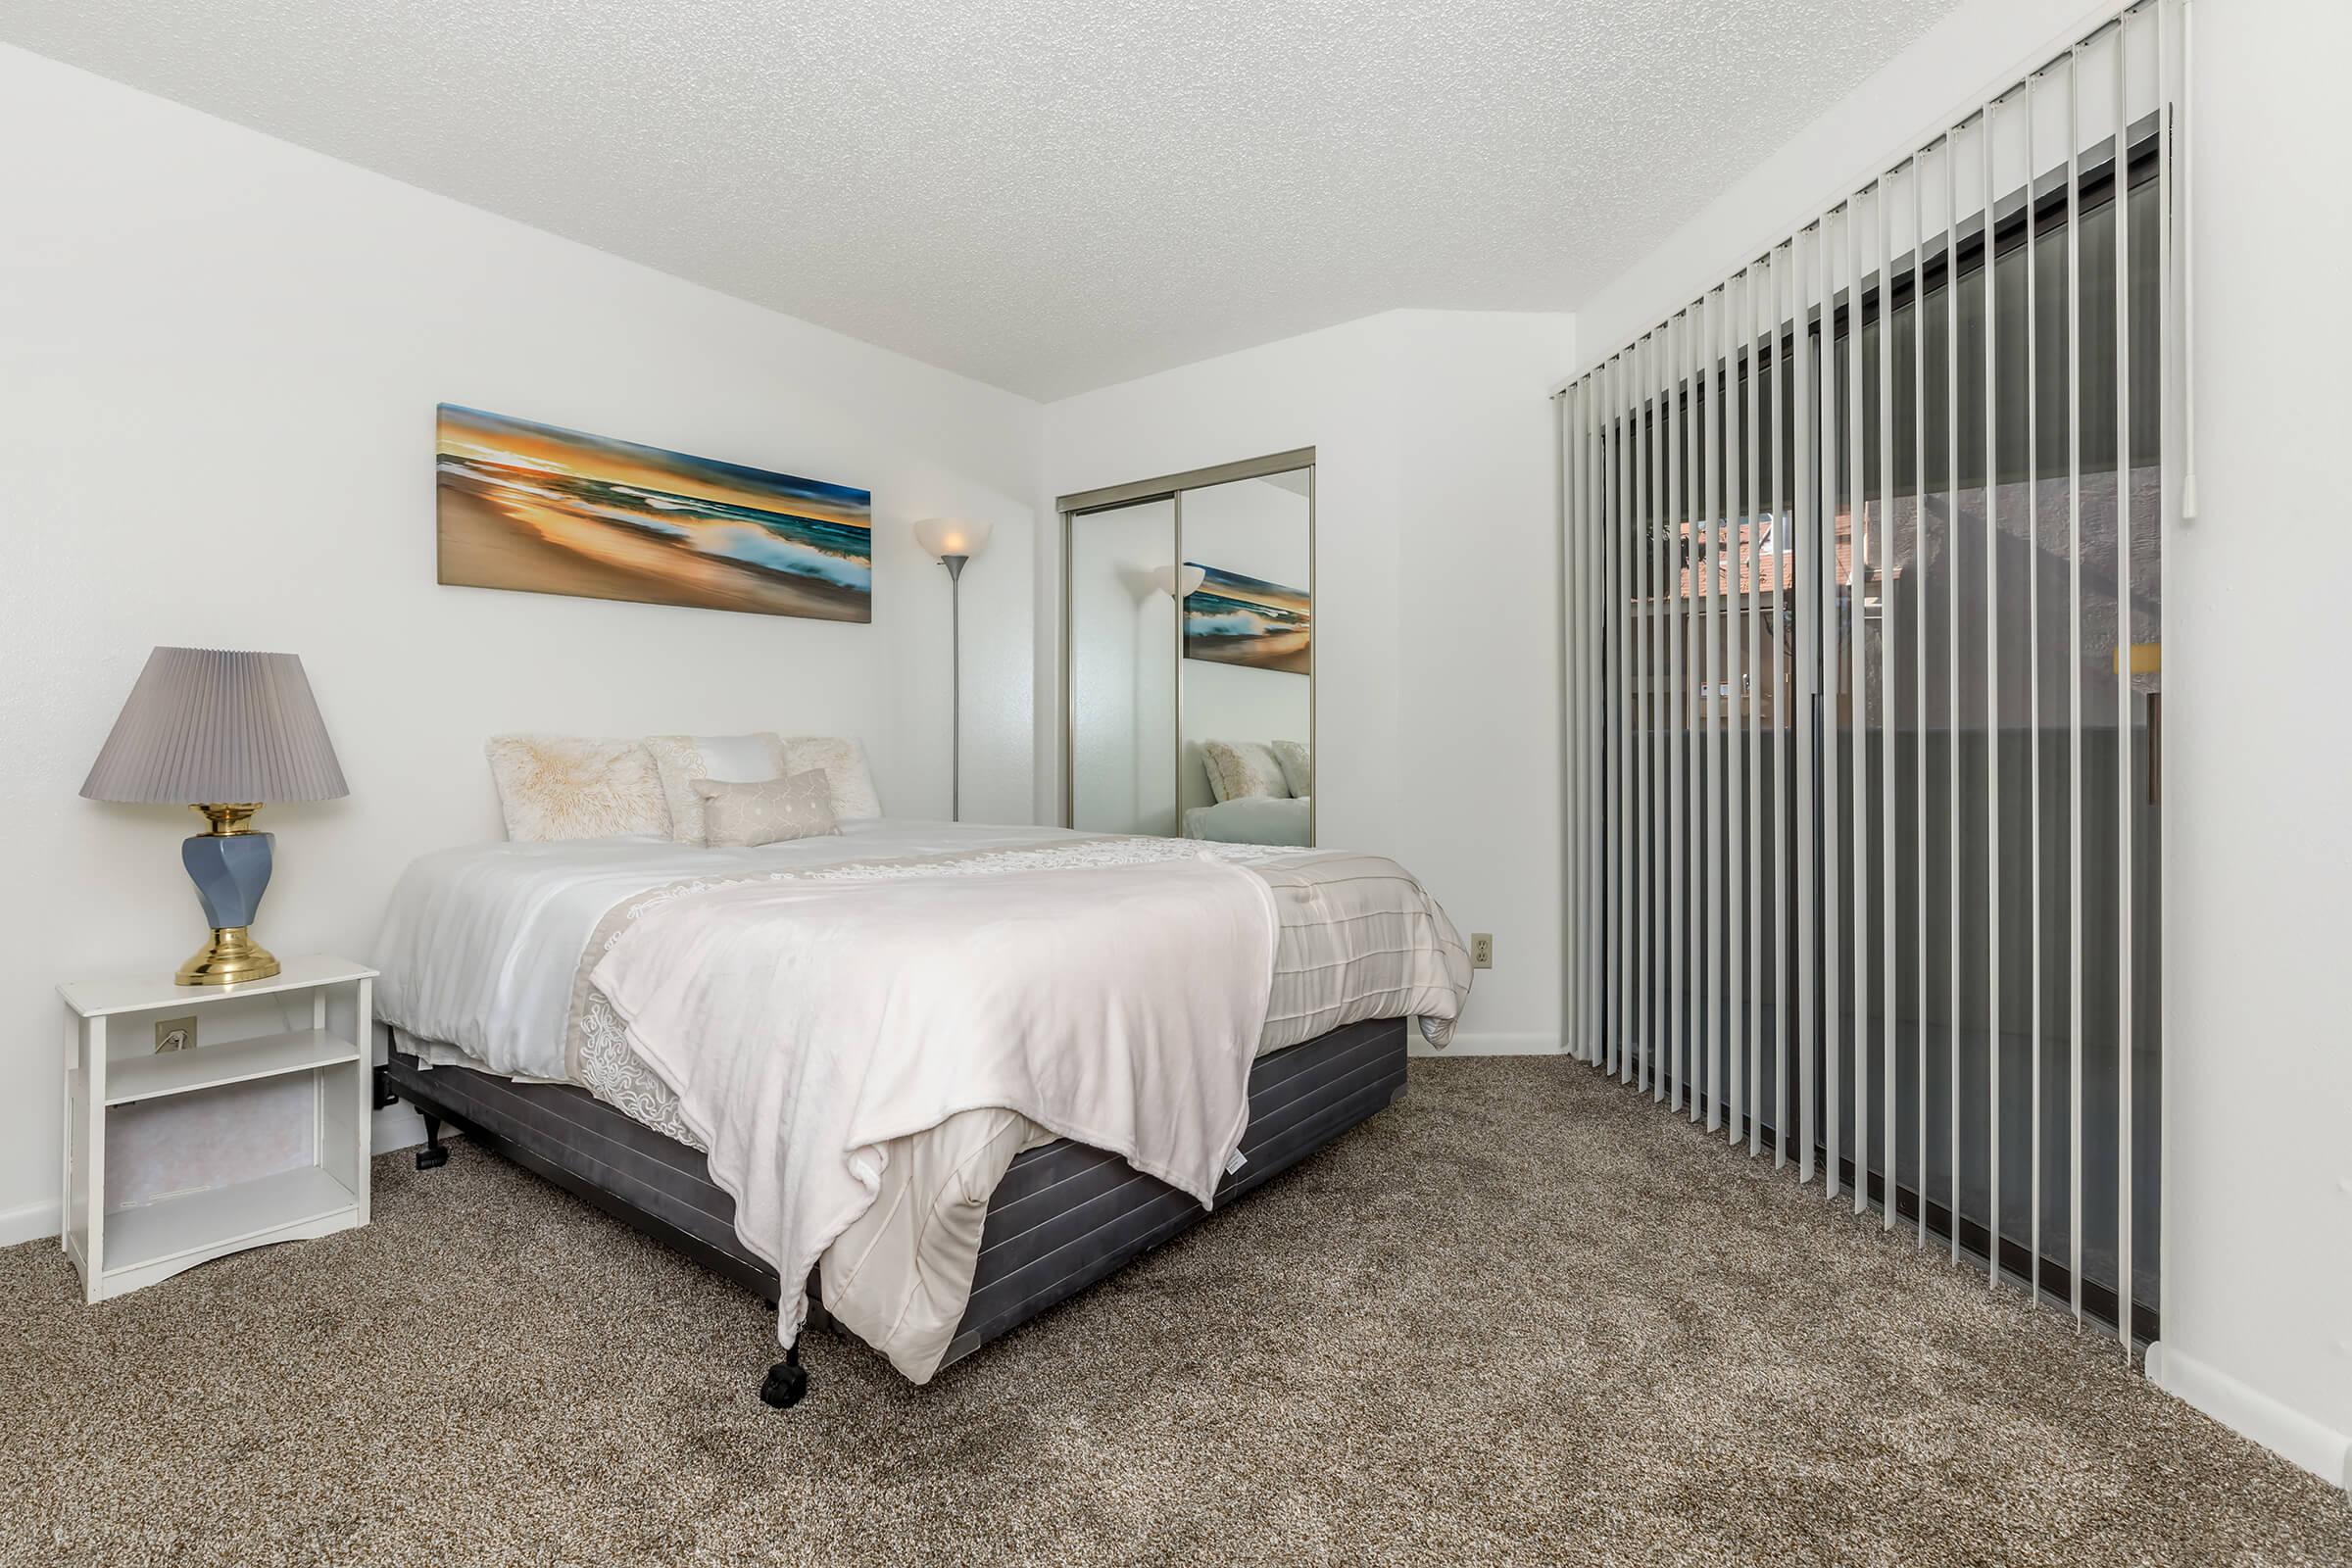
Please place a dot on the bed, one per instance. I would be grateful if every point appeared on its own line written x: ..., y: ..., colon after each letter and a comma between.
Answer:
x: 692, y: 1038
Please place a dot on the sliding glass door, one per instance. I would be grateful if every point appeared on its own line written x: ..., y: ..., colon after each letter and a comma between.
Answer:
x: 1865, y: 580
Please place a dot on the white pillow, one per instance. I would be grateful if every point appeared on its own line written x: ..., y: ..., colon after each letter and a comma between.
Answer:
x: 1237, y: 770
x: 843, y: 757
x: 555, y: 788
x: 728, y: 758
x: 1298, y: 767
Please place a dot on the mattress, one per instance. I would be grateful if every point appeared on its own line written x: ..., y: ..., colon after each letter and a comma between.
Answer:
x: 482, y: 946
x: 1062, y: 1216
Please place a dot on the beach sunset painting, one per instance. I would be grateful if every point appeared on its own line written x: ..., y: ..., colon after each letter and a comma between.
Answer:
x: 543, y: 511
x: 1233, y: 620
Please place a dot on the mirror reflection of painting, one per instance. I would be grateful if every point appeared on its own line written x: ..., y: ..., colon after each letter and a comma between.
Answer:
x: 1233, y: 620
x: 531, y: 507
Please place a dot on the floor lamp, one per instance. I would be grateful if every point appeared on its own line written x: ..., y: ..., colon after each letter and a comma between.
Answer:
x: 952, y: 541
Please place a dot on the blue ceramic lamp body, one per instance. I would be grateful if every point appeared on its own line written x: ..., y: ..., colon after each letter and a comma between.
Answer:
x: 231, y: 872
x: 230, y: 867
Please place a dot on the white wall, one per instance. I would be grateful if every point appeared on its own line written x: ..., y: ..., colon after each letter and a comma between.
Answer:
x: 216, y: 387
x: 1437, y: 615
x: 2257, y: 843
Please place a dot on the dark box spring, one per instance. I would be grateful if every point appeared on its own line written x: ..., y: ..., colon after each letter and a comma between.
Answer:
x: 1064, y: 1216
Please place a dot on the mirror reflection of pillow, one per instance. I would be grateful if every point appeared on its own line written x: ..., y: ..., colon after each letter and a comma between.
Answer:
x: 1239, y: 770
x: 1298, y: 767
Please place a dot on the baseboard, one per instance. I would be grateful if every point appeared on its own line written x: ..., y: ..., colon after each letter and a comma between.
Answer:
x: 28, y: 1223
x: 2251, y: 1413
x: 1477, y: 1044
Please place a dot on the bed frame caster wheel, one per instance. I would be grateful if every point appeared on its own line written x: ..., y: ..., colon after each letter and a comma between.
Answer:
x: 787, y: 1382
x: 434, y: 1155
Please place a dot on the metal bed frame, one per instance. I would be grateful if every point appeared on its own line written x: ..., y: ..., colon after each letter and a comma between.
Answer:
x: 1064, y: 1216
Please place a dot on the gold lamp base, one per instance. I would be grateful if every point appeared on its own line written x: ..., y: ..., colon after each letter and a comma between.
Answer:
x: 230, y: 959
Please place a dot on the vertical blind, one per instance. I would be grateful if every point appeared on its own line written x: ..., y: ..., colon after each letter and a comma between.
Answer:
x: 1863, y: 557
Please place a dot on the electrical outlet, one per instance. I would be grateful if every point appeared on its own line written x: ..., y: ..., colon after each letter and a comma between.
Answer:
x: 1481, y: 950
x: 175, y: 1033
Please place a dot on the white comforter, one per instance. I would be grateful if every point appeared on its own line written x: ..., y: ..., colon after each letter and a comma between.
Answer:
x: 806, y: 1025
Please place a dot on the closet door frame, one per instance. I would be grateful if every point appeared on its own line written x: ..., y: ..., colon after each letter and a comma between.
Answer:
x: 1171, y: 488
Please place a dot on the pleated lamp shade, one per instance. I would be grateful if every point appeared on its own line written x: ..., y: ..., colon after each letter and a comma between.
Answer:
x: 208, y: 725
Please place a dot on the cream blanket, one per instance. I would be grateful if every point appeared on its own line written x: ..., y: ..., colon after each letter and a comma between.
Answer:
x: 805, y: 1025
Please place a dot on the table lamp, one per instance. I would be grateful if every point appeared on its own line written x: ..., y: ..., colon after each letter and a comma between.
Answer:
x: 222, y: 732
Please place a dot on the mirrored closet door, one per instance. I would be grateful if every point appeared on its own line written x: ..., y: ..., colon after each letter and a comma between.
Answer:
x: 1188, y: 652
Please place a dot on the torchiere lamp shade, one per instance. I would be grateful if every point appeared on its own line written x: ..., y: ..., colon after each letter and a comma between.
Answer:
x: 1182, y: 582
x: 942, y: 537
x: 223, y: 732
x: 210, y: 724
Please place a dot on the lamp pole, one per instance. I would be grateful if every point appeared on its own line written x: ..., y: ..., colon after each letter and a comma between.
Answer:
x: 954, y: 565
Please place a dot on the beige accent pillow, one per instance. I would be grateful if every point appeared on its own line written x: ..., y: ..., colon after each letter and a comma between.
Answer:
x: 555, y: 788
x: 844, y: 760
x: 730, y: 758
x: 741, y: 816
x: 1240, y: 769
x: 1298, y: 767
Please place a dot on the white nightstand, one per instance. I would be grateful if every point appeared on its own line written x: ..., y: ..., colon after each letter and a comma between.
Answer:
x: 122, y: 1249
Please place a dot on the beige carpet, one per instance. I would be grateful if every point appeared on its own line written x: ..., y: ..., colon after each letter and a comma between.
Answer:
x: 1521, y: 1317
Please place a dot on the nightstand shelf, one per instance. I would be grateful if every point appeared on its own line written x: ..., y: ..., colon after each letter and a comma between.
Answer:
x: 123, y: 1247
x: 178, y: 1072
x: 159, y: 1239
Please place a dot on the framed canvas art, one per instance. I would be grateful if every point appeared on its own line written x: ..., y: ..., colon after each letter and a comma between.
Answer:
x: 538, y: 509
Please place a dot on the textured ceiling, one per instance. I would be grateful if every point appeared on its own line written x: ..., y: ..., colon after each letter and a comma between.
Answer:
x: 1050, y: 195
